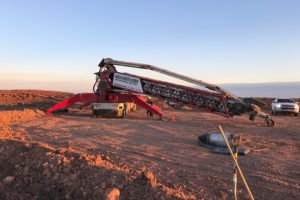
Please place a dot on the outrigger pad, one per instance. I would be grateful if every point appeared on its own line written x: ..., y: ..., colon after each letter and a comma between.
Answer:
x: 214, y: 143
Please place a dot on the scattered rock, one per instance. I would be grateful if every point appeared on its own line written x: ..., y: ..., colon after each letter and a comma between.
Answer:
x: 17, y: 166
x: 47, y: 173
x: 26, y: 171
x: 51, y: 166
x: 1, y: 187
x: 120, y: 186
x: 66, y: 170
x: 112, y: 181
x: 8, y: 180
x: 98, y: 160
x: 59, y: 162
x: 45, y: 165
x: 103, y: 185
x: 68, y: 196
x: 28, y: 145
x: 149, y: 176
x: 106, y: 157
x: 113, y: 194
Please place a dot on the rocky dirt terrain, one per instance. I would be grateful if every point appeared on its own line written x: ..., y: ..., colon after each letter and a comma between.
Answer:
x: 77, y: 156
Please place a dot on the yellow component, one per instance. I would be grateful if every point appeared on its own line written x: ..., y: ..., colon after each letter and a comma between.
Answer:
x: 109, y: 109
x: 130, y: 107
x: 112, y: 109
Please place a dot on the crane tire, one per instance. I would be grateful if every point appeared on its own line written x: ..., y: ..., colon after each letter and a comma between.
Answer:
x: 270, y: 123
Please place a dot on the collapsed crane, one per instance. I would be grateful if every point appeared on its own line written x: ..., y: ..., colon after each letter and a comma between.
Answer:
x: 112, y: 86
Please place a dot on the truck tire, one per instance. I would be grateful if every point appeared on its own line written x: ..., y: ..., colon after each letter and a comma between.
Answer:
x: 270, y: 123
x: 95, y: 113
x: 252, y: 116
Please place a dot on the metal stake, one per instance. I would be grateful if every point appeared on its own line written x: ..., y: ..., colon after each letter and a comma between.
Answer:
x: 235, y: 141
x: 236, y: 163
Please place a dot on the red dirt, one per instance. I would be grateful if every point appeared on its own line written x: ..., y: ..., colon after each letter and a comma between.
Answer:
x: 77, y: 156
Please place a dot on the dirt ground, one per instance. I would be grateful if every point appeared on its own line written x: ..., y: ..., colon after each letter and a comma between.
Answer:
x: 77, y: 156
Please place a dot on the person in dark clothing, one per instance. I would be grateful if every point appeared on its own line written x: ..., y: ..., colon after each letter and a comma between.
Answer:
x: 149, y: 113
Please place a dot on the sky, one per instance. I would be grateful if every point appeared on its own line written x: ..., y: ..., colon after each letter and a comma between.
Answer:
x: 58, y: 44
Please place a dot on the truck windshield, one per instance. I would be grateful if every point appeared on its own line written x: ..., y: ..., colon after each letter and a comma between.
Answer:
x: 285, y: 101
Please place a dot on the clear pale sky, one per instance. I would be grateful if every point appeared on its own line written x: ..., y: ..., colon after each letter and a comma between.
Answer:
x: 58, y: 44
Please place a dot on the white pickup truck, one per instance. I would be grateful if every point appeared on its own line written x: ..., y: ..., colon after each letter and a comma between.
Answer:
x: 285, y: 106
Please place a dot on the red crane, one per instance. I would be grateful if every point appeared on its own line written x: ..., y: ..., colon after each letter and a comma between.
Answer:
x: 112, y: 86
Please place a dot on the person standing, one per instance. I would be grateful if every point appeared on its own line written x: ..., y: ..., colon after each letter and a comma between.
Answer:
x: 149, y: 113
